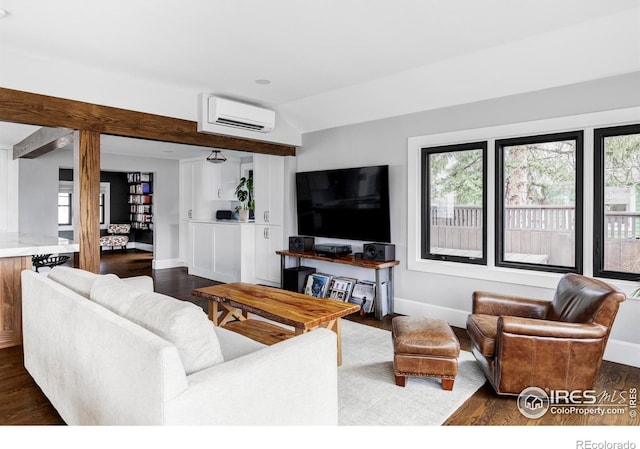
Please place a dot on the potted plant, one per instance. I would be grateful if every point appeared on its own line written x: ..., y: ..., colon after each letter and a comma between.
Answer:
x: 244, y: 193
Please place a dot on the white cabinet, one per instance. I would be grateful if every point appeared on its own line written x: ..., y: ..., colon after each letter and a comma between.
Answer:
x: 268, y: 186
x: 215, y: 251
x: 202, y: 184
x: 223, y: 178
x: 267, y: 262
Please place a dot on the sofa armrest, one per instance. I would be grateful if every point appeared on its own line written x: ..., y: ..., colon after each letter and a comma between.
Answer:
x: 143, y: 282
x: 495, y: 304
x: 545, y: 328
x: 294, y: 382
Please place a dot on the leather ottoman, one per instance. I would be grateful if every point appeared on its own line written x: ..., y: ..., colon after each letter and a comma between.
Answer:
x: 424, y: 347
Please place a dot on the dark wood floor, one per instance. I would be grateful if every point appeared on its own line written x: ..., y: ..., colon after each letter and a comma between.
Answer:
x: 22, y: 402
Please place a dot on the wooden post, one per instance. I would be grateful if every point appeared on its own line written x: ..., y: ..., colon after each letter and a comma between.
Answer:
x: 86, y: 204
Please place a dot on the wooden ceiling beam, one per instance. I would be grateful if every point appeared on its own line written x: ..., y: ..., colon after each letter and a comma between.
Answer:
x: 43, y: 141
x: 42, y: 110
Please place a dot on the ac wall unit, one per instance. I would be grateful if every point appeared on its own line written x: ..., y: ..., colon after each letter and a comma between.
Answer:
x: 240, y: 115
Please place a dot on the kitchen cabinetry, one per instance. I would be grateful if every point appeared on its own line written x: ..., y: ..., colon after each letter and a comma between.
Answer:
x: 214, y: 250
x: 268, y: 240
x: 203, y: 183
x: 268, y: 183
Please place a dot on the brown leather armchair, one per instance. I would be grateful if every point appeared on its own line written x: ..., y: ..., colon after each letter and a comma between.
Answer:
x: 553, y: 345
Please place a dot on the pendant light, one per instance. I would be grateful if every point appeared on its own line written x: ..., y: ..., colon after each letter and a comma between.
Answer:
x: 216, y: 157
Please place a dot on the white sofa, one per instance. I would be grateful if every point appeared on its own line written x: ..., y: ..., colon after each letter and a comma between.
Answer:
x: 110, y: 351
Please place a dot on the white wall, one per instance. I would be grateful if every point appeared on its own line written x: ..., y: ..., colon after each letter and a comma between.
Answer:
x: 38, y: 180
x: 385, y: 142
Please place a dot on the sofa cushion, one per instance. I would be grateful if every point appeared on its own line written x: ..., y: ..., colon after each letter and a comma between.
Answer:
x: 111, y: 292
x: 80, y: 281
x: 182, y: 323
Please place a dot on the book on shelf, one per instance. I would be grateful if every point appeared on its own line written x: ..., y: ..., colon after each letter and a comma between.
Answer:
x: 139, y: 199
x: 145, y: 187
x: 317, y: 285
x: 341, y: 288
x: 138, y: 177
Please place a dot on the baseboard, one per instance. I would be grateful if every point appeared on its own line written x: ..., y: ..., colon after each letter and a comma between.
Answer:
x: 617, y: 351
x: 623, y: 352
x: 454, y: 317
x: 166, y: 263
x: 142, y: 246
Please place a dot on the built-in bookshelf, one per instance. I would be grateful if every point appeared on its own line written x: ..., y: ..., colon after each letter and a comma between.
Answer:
x: 140, y: 200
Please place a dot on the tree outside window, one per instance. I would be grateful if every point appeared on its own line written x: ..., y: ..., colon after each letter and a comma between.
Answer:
x: 539, y: 202
x: 454, y: 203
x: 617, y: 202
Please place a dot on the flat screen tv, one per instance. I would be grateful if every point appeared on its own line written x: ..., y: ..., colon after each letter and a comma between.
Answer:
x: 348, y: 203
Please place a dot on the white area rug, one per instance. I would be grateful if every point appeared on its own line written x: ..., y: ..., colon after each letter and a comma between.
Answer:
x: 368, y: 395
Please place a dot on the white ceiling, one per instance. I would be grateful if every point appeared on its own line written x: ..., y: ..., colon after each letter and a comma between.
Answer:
x: 330, y: 61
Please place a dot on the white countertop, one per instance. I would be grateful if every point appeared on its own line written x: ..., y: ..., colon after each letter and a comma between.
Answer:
x: 14, y: 244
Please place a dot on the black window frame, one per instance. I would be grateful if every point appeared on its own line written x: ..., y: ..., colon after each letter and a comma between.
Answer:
x: 578, y: 136
x: 69, y: 207
x: 599, y: 135
x: 425, y: 231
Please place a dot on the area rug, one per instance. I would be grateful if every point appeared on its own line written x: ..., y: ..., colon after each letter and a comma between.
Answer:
x: 368, y: 395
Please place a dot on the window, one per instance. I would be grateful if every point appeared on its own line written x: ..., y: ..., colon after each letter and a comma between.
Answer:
x: 454, y: 215
x: 64, y: 208
x: 65, y: 205
x: 539, y: 202
x: 101, y: 208
x: 617, y: 202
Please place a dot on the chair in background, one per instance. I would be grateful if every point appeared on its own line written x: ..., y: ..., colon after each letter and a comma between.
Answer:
x: 118, y: 236
x: 47, y: 260
x: 553, y: 345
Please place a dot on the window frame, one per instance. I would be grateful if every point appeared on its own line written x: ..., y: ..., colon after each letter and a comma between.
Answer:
x: 500, y: 144
x: 425, y: 232
x: 105, y: 193
x: 599, y: 135
x: 69, y: 215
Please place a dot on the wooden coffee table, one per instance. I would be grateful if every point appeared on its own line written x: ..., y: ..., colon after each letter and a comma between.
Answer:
x: 231, y: 305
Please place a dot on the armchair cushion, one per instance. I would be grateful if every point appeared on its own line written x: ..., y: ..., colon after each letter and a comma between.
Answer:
x: 545, y: 328
x: 577, y: 299
x: 495, y: 304
x: 482, y: 329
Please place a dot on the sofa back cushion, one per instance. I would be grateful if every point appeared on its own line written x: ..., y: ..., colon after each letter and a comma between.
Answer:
x: 79, y: 281
x: 578, y: 299
x: 182, y: 323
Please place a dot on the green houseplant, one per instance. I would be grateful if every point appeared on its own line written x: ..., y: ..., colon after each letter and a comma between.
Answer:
x: 244, y: 193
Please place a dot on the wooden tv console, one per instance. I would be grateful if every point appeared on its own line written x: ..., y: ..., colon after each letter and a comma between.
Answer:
x: 356, y: 262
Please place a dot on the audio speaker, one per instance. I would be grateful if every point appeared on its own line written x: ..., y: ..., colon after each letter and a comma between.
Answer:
x: 294, y: 278
x: 380, y: 252
x: 300, y: 244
